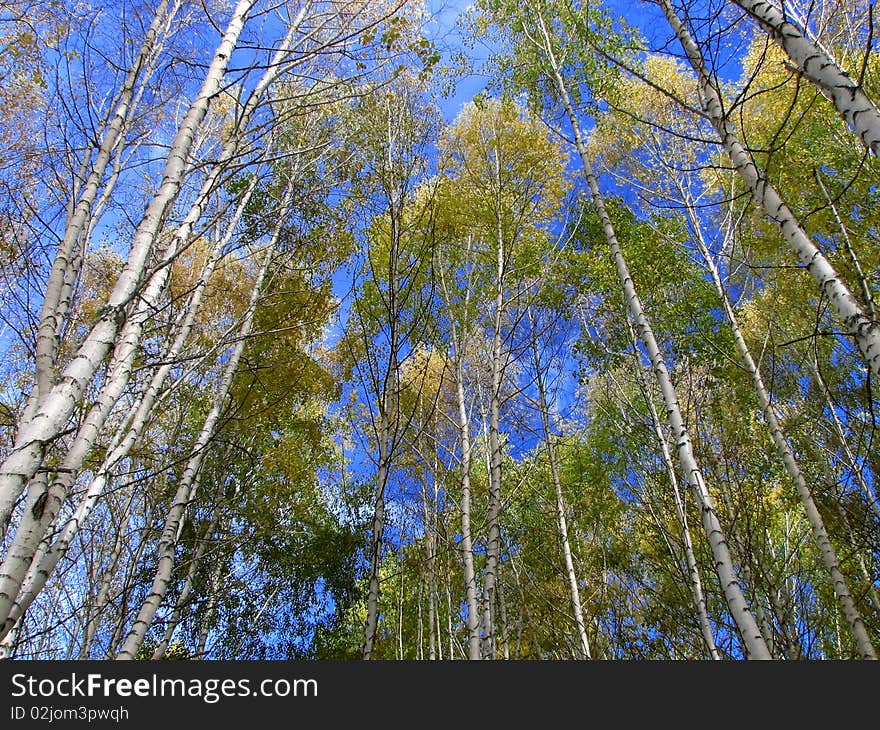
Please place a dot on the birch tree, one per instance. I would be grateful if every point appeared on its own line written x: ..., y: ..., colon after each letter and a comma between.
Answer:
x: 847, y: 307
x: 513, y: 176
x: 534, y: 33
x: 678, y: 190
x: 819, y: 66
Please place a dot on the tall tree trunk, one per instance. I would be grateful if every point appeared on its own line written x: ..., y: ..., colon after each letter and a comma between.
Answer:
x: 191, y: 474
x: 493, y: 544
x: 464, y: 437
x: 561, y: 520
x: 24, y: 572
x: 819, y: 66
x: 780, y: 442
x: 67, y: 261
x: 57, y: 406
x: 429, y: 508
x: 467, y: 548
x: 185, y: 595
x: 371, y: 625
x: 865, y: 331
x: 695, y: 582
x: 753, y: 643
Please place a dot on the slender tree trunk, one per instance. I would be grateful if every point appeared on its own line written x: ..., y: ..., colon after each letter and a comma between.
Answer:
x: 467, y: 548
x: 428, y: 517
x: 387, y: 388
x: 189, y: 479
x: 753, y: 643
x: 561, y: 520
x: 210, y: 609
x: 21, y: 555
x: 493, y: 545
x: 67, y: 263
x: 183, y: 598
x: 450, y: 633
x: 865, y: 331
x: 780, y: 441
x: 694, y: 580
x: 820, y: 67
x: 378, y: 530
x: 127, y: 584
x: 464, y: 431
x: 57, y: 406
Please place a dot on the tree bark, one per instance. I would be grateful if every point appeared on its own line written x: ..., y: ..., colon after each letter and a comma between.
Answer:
x: 191, y: 474
x: 55, y: 409
x: 780, y: 442
x: 21, y: 557
x: 865, y: 331
x: 561, y: 520
x: 694, y: 579
x: 464, y: 436
x: 753, y: 643
x: 818, y: 65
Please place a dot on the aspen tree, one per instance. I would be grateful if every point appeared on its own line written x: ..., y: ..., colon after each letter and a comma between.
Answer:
x: 561, y: 520
x: 189, y: 480
x: 56, y: 406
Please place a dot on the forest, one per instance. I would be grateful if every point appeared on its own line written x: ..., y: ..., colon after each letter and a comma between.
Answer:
x: 425, y: 330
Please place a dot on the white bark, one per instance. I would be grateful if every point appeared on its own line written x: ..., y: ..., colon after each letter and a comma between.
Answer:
x: 780, y: 441
x: 496, y: 373
x: 819, y: 66
x: 65, y: 265
x: 561, y: 519
x: 429, y: 511
x: 472, y: 619
x: 865, y: 331
x: 36, y: 522
x: 184, y: 597
x: 189, y: 479
x: 57, y: 406
x: 753, y: 643
x: 21, y: 555
x: 694, y: 580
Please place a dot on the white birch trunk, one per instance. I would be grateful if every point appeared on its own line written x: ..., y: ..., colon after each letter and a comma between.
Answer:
x: 371, y: 625
x: 753, y: 643
x: 184, y: 597
x: 865, y: 331
x: 472, y: 619
x: 428, y: 512
x: 36, y: 522
x: 780, y: 441
x: 104, y: 585
x: 819, y: 66
x: 561, y: 520
x: 57, y: 406
x: 189, y: 478
x: 695, y: 581
x: 493, y: 544
x: 20, y: 557
x: 65, y: 266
